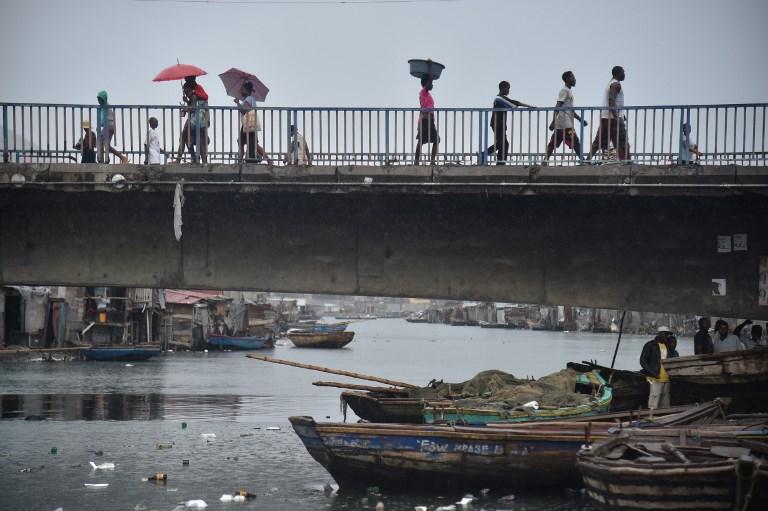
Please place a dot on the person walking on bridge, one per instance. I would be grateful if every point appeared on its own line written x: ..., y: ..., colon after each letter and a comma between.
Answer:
x: 612, y: 127
x: 501, y: 103
x: 562, y: 124
x: 106, y: 126
x: 427, y: 132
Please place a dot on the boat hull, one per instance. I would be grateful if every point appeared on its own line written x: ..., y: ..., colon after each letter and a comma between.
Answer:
x: 225, y: 342
x: 384, y: 409
x: 122, y: 354
x: 734, y: 367
x: 331, y: 340
x: 465, y: 458
x: 673, y: 486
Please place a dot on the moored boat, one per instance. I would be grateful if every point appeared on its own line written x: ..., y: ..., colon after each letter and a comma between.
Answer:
x: 122, y: 353
x: 630, y: 473
x: 321, y: 339
x: 728, y: 368
x: 239, y: 343
x: 452, y: 412
x: 515, y: 456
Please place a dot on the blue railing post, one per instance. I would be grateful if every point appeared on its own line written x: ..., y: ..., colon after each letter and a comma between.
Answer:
x: 581, y: 134
x: 482, y: 138
x: 197, y: 117
x: 386, y: 138
x: 6, y: 153
x: 293, y: 137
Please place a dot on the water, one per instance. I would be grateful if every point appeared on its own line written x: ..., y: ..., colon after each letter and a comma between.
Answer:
x: 126, y: 411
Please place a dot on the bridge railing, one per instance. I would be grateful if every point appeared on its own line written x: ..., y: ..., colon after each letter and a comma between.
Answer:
x: 707, y: 134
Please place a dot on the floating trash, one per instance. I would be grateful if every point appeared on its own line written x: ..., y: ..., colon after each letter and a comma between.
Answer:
x: 208, y: 435
x: 164, y: 446
x: 54, y: 450
x: 195, y: 504
x: 103, y: 466
x: 96, y: 485
x: 273, y: 428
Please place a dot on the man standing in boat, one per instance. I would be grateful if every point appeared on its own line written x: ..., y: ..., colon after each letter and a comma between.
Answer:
x: 702, y: 341
x: 651, y: 360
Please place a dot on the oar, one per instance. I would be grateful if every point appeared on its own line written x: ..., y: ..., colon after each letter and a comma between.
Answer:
x: 352, y: 386
x: 351, y: 374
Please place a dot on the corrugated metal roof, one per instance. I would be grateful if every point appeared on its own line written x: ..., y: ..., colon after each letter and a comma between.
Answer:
x: 190, y: 297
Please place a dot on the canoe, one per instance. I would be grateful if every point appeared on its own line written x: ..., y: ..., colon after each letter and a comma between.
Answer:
x: 377, y: 408
x: 122, y: 353
x: 629, y: 388
x: 626, y: 473
x: 452, y: 414
x: 321, y: 328
x: 463, y: 458
x: 227, y: 342
x: 732, y: 367
x: 321, y: 340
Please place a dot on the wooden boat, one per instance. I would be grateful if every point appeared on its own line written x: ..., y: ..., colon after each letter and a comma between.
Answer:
x: 628, y: 473
x: 321, y: 340
x: 629, y: 388
x: 515, y: 456
x: 235, y: 343
x: 374, y: 407
x: 322, y: 328
x: 122, y: 353
x: 733, y: 367
x: 452, y: 413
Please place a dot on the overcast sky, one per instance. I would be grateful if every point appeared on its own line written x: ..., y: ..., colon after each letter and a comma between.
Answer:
x: 333, y: 54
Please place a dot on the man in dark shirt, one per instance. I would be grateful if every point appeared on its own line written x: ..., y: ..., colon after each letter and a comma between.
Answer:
x: 702, y: 341
x: 499, y: 122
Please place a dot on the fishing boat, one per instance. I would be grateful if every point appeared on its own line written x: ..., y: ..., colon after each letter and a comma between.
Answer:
x: 512, y: 456
x: 629, y: 388
x: 728, y: 368
x: 240, y: 343
x: 375, y: 407
x: 630, y: 473
x: 321, y: 328
x: 321, y: 339
x: 122, y: 353
x: 452, y: 413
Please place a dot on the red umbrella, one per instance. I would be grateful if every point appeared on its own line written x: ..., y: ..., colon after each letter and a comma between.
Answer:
x: 178, y: 72
x: 234, y: 78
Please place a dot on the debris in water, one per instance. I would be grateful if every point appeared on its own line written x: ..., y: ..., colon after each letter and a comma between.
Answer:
x: 96, y: 485
x: 103, y: 466
x: 273, y: 428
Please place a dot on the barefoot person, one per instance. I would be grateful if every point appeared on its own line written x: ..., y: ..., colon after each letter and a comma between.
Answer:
x: 107, y: 129
x: 427, y: 132
x: 562, y: 124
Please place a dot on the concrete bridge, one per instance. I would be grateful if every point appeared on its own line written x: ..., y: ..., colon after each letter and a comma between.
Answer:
x: 643, y: 237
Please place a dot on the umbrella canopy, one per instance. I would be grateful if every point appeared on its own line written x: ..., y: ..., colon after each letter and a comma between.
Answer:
x: 234, y: 78
x: 178, y: 72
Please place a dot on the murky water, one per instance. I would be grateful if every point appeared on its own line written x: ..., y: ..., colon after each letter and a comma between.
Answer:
x: 127, y: 411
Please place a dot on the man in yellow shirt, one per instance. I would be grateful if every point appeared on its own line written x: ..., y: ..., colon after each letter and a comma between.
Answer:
x: 652, y: 362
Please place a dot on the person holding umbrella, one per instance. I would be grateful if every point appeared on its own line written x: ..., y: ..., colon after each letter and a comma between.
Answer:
x: 197, y: 100
x: 249, y: 126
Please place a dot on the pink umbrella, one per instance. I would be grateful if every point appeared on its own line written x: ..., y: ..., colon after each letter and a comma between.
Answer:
x: 178, y: 72
x: 234, y: 78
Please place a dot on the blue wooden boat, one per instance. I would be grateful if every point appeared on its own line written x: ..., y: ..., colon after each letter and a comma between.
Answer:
x: 132, y: 353
x: 464, y: 458
x: 228, y: 342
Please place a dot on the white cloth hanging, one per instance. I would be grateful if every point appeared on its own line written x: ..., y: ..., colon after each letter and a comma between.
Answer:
x: 178, y: 203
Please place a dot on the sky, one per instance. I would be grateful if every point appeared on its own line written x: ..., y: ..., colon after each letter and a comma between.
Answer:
x: 320, y: 53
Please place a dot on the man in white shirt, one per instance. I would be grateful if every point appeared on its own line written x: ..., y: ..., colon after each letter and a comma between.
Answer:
x: 725, y: 341
x: 563, y: 121
x: 152, y: 150
x: 298, y: 152
x: 612, y: 125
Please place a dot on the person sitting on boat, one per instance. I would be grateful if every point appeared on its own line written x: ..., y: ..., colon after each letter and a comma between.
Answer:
x: 654, y: 352
x: 725, y: 341
x: 702, y: 341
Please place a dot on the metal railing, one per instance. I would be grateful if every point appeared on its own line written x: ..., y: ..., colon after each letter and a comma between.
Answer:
x: 655, y: 135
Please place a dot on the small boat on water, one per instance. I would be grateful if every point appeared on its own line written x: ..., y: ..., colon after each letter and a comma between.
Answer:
x: 240, y: 343
x: 321, y: 339
x: 122, y: 353
x: 453, y: 413
x: 510, y: 456
x: 631, y: 473
x: 321, y: 328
